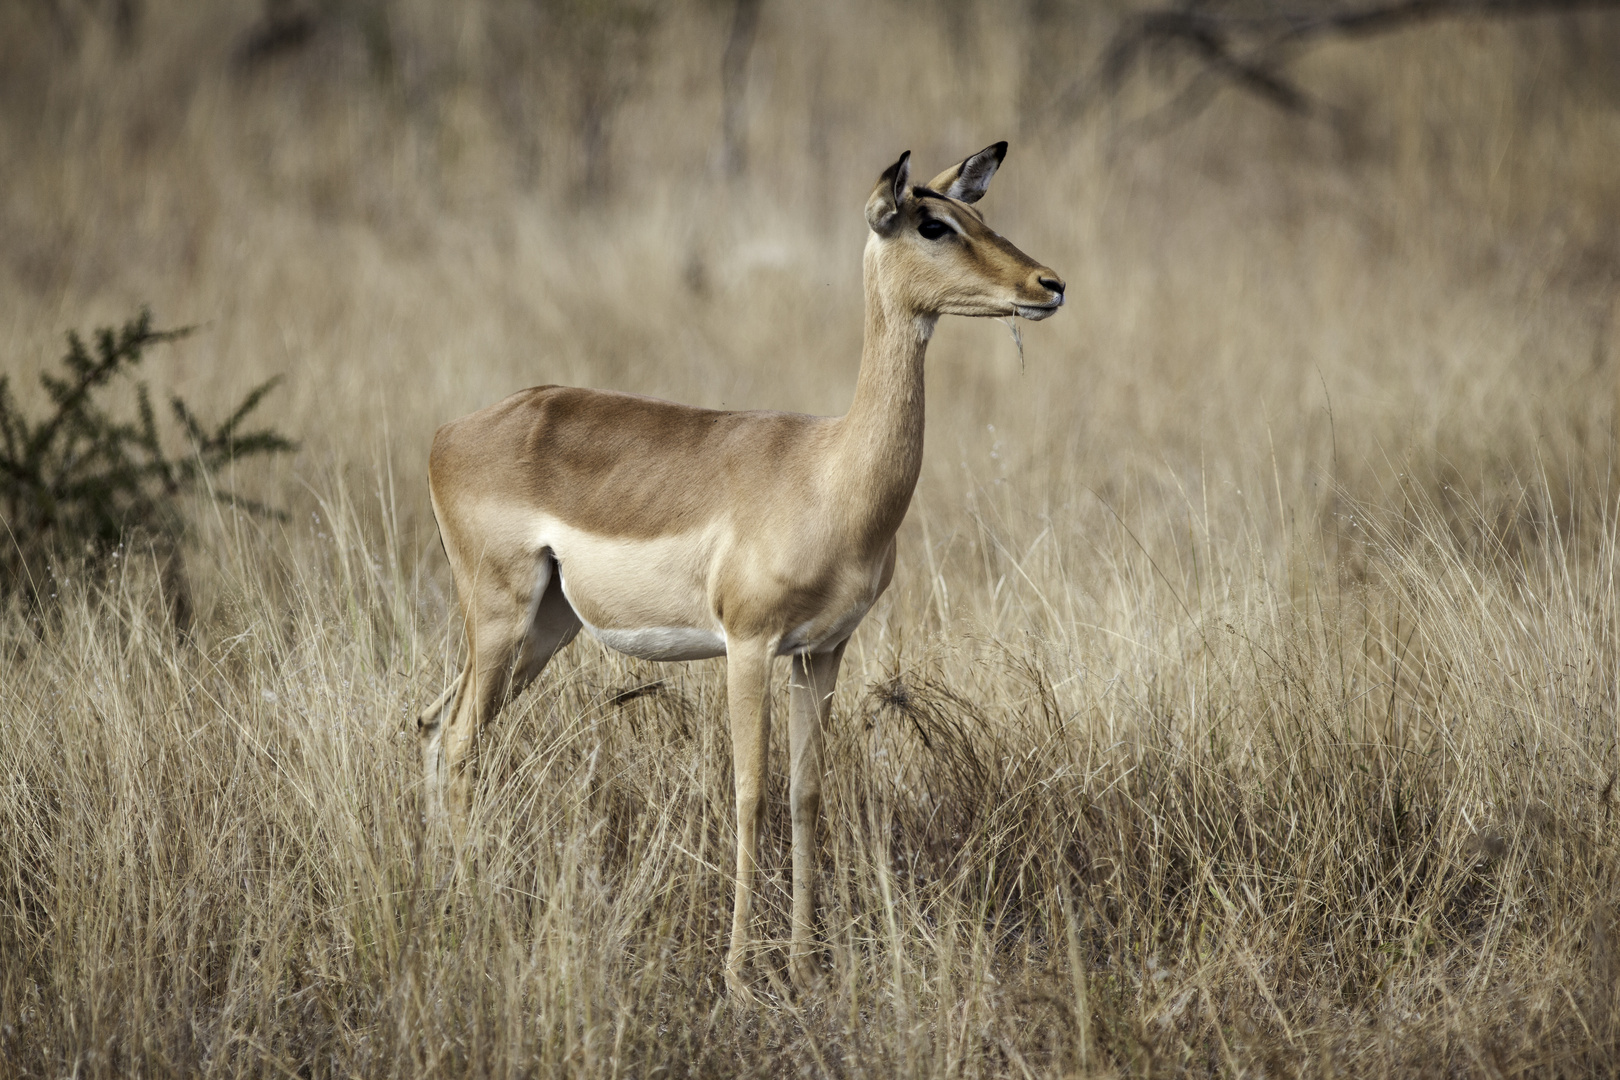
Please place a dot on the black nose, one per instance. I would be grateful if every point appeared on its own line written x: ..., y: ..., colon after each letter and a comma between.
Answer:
x: 1053, y: 283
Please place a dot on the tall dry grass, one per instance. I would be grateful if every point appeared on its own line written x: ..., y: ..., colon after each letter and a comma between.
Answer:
x: 1245, y: 701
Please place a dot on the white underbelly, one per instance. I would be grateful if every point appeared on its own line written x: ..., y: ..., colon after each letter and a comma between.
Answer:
x: 699, y: 643
x: 662, y: 642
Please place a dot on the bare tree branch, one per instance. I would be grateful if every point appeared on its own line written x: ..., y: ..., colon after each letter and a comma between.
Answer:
x: 1247, y: 45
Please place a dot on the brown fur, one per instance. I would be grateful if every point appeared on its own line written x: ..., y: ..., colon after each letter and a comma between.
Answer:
x: 678, y: 532
x: 616, y: 464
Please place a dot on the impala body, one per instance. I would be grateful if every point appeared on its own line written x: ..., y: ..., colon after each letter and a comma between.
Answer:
x: 675, y: 533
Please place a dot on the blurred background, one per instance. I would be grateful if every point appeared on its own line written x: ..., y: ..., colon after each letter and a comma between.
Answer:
x: 411, y: 209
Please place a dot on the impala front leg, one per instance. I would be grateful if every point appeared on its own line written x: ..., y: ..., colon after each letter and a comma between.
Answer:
x: 748, y: 670
x: 811, y: 690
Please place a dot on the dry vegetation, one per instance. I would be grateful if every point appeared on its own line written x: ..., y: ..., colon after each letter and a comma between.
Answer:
x: 1246, y: 700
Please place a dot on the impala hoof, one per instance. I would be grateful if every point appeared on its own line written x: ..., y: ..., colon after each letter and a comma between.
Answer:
x: 736, y: 987
x: 807, y: 976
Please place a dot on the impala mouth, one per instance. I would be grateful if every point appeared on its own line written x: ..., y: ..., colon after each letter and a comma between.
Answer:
x: 1037, y: 312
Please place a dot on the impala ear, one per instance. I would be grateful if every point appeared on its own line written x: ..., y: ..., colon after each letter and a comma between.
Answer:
x: 883, y: 208
x: 969, y: 180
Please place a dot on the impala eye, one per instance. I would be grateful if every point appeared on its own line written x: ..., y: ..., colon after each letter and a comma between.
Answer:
x: 934, y: 230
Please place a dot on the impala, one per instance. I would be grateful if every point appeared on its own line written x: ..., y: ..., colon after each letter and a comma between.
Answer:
x: 676, y: 533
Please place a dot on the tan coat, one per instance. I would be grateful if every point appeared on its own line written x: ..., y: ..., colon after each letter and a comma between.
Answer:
x: 675, y: 533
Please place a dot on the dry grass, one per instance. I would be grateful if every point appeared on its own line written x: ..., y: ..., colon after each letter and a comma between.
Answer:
x: 1246, y: 699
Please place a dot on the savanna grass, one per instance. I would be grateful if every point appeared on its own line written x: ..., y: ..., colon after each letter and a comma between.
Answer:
x: 1365, y: 829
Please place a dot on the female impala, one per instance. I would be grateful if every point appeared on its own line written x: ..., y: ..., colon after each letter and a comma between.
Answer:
x: 676, y: 533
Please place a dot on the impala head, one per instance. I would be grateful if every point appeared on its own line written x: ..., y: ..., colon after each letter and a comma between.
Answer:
x: 931, y: 251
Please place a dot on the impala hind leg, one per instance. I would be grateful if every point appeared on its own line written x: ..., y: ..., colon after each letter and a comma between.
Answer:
x: 748, y: 699
x: 430, y: 735
x: 810, y: 689
x: 511, y: 635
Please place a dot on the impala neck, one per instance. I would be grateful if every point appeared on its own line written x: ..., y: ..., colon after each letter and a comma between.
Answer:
x: 881, y: 440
